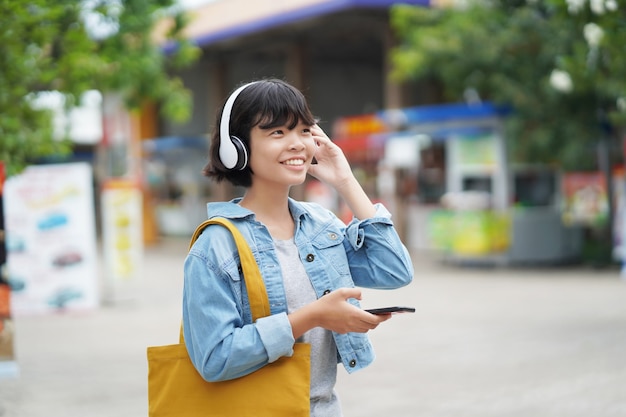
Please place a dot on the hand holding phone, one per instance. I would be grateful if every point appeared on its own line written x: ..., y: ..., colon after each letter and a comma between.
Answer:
x: 390, y: 310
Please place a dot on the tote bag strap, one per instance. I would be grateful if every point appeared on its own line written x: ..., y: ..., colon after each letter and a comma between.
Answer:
x: 257, y: 294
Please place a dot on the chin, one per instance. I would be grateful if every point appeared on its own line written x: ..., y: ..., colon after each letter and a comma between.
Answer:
x: 298, y: 181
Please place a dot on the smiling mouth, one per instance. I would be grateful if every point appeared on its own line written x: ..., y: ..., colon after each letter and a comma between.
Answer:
x: 294, y: 162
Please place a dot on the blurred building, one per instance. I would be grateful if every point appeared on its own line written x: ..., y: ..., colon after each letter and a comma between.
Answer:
x: 438, y: 168
x: 334, y: 51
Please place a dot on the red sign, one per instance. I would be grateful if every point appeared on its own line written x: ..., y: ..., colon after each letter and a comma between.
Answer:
x: 358, y: 126
x: 356, y: 136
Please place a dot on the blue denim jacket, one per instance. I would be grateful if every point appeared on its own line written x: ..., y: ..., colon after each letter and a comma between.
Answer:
x: 223, y: 342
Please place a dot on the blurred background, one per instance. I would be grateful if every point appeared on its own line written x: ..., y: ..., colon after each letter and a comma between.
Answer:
x: 493, y: 131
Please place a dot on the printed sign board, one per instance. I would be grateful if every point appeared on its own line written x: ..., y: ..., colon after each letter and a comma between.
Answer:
x: 51, y: 239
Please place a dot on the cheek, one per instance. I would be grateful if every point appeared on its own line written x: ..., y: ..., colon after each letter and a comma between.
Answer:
x: 256, y: 156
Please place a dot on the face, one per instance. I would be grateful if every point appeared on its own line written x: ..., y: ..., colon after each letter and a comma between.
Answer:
x: 281, y: 156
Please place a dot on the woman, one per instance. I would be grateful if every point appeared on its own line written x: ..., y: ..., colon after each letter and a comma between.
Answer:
x: 311, y: 262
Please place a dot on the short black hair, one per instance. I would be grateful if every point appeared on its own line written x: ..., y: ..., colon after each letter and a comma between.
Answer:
x: 267, y: 103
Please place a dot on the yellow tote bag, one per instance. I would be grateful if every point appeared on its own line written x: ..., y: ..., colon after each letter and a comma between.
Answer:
x: 281, y: 388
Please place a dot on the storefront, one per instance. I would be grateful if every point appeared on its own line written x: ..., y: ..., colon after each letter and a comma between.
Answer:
x: 445, y: 173
x: 172, y: 168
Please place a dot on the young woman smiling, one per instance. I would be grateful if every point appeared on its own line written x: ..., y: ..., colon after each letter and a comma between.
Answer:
x: 311, y: 262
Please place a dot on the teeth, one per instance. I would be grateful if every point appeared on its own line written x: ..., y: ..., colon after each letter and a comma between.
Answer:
x: 294, y: 162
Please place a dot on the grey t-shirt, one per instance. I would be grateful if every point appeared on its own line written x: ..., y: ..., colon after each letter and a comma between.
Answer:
x: 300, y: 292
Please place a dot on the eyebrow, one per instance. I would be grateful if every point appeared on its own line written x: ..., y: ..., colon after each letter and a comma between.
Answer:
x: 291, y: 123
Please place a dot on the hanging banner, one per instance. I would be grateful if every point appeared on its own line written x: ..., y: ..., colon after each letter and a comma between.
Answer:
x: 475, y: 151
x: 51, y: 239
x: 122, y: 237
x: 585, y: 198
x: 470, y: 232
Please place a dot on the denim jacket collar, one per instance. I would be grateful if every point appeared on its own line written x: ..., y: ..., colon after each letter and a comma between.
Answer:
x: 233, y: 210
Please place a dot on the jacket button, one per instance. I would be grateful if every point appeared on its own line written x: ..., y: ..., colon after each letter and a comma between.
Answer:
x: 310, y: 257
x: 352, y: 363
x: 333, y: 236
x: 326, y: 292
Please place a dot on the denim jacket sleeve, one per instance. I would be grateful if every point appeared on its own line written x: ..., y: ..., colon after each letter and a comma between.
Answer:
x: 376, y: 255
x: 370, y: 255
x: 221, y: 340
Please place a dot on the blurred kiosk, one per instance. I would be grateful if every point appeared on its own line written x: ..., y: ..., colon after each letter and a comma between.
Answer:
x: 176, y: 186
x: 455, y: 190
x: 122, y: 200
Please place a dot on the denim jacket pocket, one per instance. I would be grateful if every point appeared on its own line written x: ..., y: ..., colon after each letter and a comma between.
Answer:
x: 327, y: 239
x: 330, y: 251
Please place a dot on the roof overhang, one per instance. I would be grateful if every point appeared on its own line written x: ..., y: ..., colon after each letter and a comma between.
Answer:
x: 225, y: 20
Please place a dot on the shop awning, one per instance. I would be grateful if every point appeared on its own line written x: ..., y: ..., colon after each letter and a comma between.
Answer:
x: 225, y: 20
x: 163, y: 144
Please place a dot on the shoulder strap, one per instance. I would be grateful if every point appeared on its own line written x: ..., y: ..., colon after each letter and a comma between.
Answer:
x: 257, y: 294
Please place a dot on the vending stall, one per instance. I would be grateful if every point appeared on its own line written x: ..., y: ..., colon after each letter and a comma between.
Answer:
x: 455, y: 190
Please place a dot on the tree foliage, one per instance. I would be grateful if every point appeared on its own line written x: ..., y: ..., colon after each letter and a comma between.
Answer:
x: 559, y: 64
x: 73, y: 46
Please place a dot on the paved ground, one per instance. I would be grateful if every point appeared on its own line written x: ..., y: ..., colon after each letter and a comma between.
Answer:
x: 483, y: 342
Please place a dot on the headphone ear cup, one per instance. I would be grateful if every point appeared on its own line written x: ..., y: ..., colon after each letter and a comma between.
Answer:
x: 228, y: 153
x: 232, y: 153
x: 242, y: 153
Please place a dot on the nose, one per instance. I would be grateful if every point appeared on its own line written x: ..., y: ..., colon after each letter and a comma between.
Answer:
x: 296, y: 141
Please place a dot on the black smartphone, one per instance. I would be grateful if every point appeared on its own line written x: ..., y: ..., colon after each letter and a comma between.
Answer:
x: 387, y: 310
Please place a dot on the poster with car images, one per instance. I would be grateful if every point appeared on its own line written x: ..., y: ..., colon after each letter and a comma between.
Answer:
x: 51, y: 239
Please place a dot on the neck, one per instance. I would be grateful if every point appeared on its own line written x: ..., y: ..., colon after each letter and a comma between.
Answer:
x: 266, y: 201
x: 271, y: 209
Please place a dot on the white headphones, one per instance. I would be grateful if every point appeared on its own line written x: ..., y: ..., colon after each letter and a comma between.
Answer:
x: 233, y: 153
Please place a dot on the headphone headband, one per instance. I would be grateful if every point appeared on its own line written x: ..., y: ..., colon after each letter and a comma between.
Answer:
x: 230, y: 155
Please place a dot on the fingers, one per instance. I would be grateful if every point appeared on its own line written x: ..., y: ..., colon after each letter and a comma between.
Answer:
x: 346, y: 293
x: 375, y: 319
x: 320, y: 136
x: 367, y: 322
x: 317, y: 130
x: 344, y: 317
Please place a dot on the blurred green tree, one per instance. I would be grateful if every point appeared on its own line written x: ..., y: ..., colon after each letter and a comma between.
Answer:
x: 559, y: 64
x: 73, y: 46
